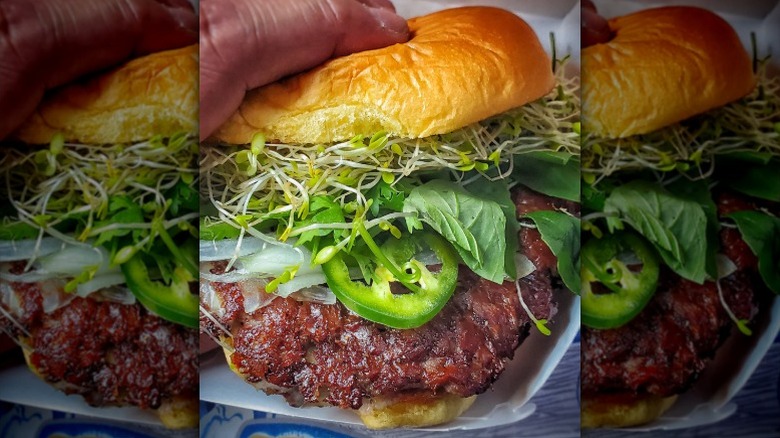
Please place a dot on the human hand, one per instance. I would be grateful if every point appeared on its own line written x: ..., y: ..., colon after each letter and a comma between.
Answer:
x: 247, y: 43
x: 595, y: 28
x: 47, y: 43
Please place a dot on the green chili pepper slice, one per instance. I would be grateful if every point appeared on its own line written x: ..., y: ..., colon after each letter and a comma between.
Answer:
x: 428, y: 291
x: 173, y: 303
x: 607, y: 261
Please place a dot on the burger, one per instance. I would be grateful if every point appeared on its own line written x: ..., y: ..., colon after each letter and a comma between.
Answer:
x: 680, y: 207
x: 381, y: 232
x: 98, y: 237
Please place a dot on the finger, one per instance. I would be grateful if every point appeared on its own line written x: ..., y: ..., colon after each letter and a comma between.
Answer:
x: 368, y: 28
x: 595, y: 28
x: 48, y: 43
x: 386, y: 4
x: 246, y: 44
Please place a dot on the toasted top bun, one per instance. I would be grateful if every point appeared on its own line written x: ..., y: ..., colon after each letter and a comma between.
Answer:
x: 460, y: 66
x: 153, y: 95
x: 663, y: 66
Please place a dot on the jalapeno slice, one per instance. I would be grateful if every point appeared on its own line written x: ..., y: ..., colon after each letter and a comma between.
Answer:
x: 612, y: 262
x: 427, y: 293
x: 173, y: 303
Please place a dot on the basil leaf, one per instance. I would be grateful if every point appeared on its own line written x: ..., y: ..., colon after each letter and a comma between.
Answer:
x: 762, y: 234
x: 498, y: 192
x: 676, y: 226
x: 555, y: 174
x: 561, y: 233
x: 474, y: 226
x: 699, y: 192
x: 757, y: 180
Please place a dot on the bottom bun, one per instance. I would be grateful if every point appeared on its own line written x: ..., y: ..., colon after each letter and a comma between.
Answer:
x: 603, y: 412
x: 415, y: 410
x: 406, y: 410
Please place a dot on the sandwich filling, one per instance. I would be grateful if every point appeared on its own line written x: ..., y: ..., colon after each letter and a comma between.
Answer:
x: 388, y: 257
x: 97, y: 266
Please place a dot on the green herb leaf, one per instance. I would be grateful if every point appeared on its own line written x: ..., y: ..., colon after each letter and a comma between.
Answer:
x: 699, y: 192
x: 212, y: 230
x: 555, y: 174
x: 674, y: 225
x: 498, y: 192
x: 561, y: 233
x: 762, y: 234
x: 755, y: 179
x: 184, y: 199
x: 475, y: 226
x: 17, y: 231
x: 385, y: 197
x: 327, y: 211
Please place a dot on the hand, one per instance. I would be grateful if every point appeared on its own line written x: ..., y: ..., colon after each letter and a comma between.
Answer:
x: 595, y: 28
x: 47, y: 43
x: 247, y: 43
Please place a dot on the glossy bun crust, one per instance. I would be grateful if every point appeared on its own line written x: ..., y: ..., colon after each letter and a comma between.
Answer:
x: 153, y: 95
x: 663, y: 66
x: 606, y: 413
x: 460, y: 66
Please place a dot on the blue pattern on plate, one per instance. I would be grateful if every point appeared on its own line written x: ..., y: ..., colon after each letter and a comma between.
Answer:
x: 286, y: 428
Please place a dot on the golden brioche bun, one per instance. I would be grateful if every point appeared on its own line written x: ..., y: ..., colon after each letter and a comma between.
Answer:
x: 413, y: 410
x: 663, y: 66
x: 174, y: 413
x: 608, y: 413
x: 153, y: 95
x: 404, y: 410
x: 460, y: 66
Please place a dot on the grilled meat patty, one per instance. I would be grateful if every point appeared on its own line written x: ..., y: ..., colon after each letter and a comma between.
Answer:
x: 110, y: 353
x: 664, y: 349
x: 324, y: 354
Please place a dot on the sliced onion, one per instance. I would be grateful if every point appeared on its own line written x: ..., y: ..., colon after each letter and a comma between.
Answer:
x: 523, y: 265
x: 74, y: 258
x: 53, y: 293
x: 254, y: 294
x: 12, y: 250
x: 299, y: 282
x: 210, y: 300
x: 274, y: 260
x: 214, y: 250
x: 99, y: 282
x: 234, y: 276
x: 25, y: 277
x: 726, y: 266
x: 317, y: 294
x: 118, y: 294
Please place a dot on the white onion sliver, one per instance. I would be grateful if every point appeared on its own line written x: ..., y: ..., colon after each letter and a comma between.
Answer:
x: 276, y: 259
x: 12, y: 250
x: 299, y: 282
x: 99, y: 282
x: 317, y: 294
x: 524, y: 265
x: 214, y: 250
x: 54, y: 295
x: 726, y: 266
x: 74, y: 258
x: 118, y: 294
x: 25, y: 277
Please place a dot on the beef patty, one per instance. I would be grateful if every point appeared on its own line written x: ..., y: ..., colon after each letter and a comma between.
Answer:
x: 110, y: 353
